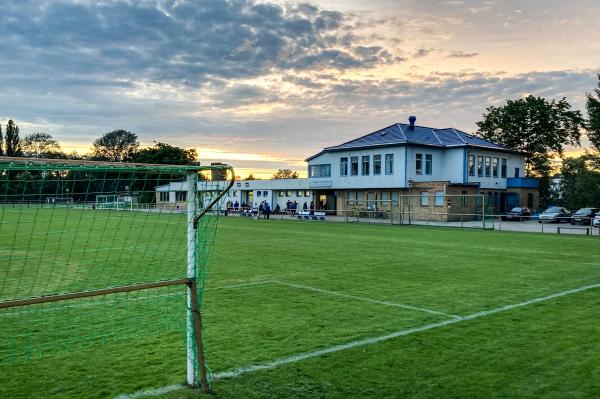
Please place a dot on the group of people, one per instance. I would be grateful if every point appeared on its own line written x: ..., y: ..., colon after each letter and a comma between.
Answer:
x: 264, y: 208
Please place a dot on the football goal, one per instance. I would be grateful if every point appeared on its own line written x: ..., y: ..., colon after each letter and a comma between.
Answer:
x: 103, y: 275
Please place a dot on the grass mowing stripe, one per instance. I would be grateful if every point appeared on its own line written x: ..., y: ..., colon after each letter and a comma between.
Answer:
x: 361, y: 298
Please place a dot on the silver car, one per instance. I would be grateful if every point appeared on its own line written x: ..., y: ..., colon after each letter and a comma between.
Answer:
x: 596, y: 221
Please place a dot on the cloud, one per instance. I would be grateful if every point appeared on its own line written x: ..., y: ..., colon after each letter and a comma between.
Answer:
x: 184, y: 42
x: 460, y: 54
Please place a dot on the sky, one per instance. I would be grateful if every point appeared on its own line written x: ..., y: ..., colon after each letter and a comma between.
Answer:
x: 262, y: 85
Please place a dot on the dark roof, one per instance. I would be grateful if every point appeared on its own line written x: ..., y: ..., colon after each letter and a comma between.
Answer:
x: 401, y: 134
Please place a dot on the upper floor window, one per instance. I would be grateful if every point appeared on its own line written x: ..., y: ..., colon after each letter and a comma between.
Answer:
x: 299, y: 193
x: 488, y: 166
x: 495, y: 167
x: 259, y: 193
x: 376, y: 164
x: 517, y: 171
x: 323, y: 170
x: 503, y: 168
x: 281, y: 193
x: 428, y: 164
x: 354, y: 166
x: 479, y: 166
x: 389, y: 164
x: 344, y: 166
x: 471, y: 165
x: 366, y: 163
x: 419, y: 164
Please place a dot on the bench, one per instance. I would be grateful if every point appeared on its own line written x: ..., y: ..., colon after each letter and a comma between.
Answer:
x: 587, y: 229
x: 305, y: 215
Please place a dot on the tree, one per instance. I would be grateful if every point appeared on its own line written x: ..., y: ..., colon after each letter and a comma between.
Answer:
x: 163, y: 153
x: 13, y: 142
x: 250, y: 177
x: 1, y: 142
x: 115, y: 146
x: 580, y: 182
x: 285, y: 174
x: 593, y: 110
x: 40, y: 145
x: 537, y: 127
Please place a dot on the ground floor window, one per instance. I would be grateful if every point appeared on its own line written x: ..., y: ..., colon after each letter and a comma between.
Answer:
x: 424, y: 197
x: 439, y: 198
x: 181, y: 196
x: 164, y: 196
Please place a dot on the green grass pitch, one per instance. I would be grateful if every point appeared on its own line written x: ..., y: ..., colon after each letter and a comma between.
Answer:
x: 330, y: 310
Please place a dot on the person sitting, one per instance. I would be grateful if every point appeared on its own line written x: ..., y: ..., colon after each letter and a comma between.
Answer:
x: 312, y: 207
x: 277, y: 209
x: 236, y: 206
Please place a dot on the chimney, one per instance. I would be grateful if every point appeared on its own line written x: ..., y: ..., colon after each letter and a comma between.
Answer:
x: 412, y: 119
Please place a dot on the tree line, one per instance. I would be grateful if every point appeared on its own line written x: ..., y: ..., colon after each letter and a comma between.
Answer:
x: 541, y: 129
x: 115, y: 146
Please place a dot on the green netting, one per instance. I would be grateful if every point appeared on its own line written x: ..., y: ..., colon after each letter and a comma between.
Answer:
x: 73, y: 227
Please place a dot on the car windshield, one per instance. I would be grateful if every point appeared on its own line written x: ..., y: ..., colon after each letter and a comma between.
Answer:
x: 583, y: 211
x: 516, y: 210
x: 553, y: 209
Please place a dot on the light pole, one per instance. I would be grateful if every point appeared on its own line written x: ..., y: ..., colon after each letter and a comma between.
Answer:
x: 410, y: 184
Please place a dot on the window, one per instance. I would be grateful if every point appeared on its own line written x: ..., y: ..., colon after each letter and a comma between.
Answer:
x: 394, y: 198
x: 351, y: 198
x: 529, y: 200
x: 424, y: 196
x: 164, y: 196
x: 307, y: 193
x: 495, y: 167
x: 471, y: 165
x: 376, y: 164
x: 344, y: 166
x: 234, y: 193
x: 354, y: 166
x: 359, y: 196
x: 479, y: 166
x: 366, y: 160
x: 517, y: 172
x: 439, y: 198
x: 419, y: 164
x: 288, y: 193
x: 389, y: 164
x: 488, y: 166
x: 265, y: 193
x: 281, y: 193
x: 299, y: 193
x: 503, y: 168
x: 428, y: 164
x: 319, y: 170
x: 259, y: 193
x: 464, y: 198
x: 180, y: 196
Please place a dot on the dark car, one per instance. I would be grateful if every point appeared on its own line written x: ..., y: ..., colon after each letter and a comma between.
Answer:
x: 555, y: 214
x: 518, y: 214
x: 584, y: 216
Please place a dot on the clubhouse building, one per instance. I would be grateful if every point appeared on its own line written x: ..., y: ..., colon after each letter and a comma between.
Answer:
x: 396, y: 161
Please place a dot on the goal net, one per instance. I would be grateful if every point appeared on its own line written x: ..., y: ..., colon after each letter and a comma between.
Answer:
x: 111, y: 282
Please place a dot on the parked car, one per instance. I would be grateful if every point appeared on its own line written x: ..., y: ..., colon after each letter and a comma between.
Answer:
x: 555, y: 214
x: 518, y: 214
x: 584, y: 216
x: 596, y: 221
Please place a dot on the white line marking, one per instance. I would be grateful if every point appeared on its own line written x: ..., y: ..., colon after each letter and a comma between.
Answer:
x: 151, y: 392
x: 370, y: 341
x: 361, y: 298
x: 354, y: 344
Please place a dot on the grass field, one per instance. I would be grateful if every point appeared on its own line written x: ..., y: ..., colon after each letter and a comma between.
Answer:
x: 328, y: 310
